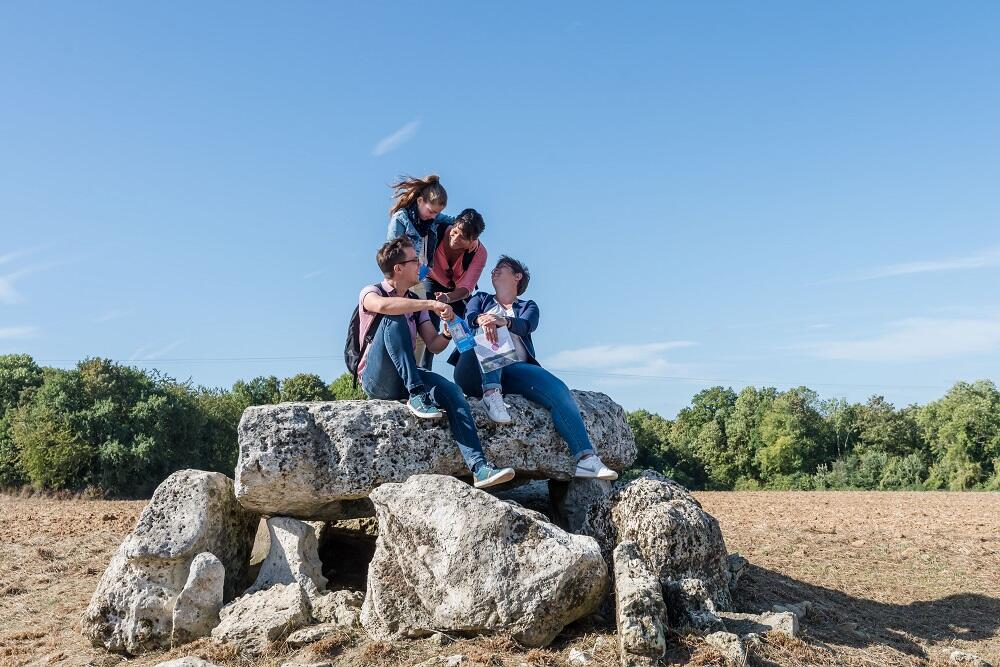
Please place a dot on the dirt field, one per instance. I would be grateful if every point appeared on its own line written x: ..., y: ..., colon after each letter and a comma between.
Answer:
x: 894, y: 579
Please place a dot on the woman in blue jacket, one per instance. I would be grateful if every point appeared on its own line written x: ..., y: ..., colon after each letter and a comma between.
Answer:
x: 525, y: 376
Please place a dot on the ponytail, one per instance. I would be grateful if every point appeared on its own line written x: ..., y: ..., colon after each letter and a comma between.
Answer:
x: 406, y: 190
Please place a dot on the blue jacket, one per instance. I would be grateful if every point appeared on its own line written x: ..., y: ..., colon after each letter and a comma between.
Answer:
x: 401, y: 224
x: 525, y: 321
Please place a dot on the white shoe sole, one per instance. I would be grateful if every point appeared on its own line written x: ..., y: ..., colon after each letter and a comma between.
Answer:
x: 499, y: 421
x: 589, y: 474
x: 493, y: 481
x: 423, y: 415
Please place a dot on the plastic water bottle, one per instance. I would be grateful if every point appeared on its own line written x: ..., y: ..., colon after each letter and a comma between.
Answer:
x: 461, y: 333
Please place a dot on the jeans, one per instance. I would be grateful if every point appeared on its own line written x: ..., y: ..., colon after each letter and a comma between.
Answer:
x: 391, y: 373
x: 432, y: 286
x: 537, y: 385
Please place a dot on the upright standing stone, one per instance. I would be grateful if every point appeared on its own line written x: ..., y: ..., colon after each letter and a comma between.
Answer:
x: 190, y: 513
x: 640, y: 611
x: 196, y: 610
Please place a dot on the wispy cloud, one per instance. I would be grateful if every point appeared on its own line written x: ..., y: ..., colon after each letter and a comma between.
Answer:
x: 8, y: 293
x: 109, y: 315
x: 982, y: 260
x: 150, y: 352
x: 917, y: 339
x: 314, y: 274
x: 396, y: 139
x: 7, y: 333
x: 647, y: 359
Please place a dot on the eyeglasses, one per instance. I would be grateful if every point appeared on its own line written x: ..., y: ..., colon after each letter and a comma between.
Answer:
x: 407, y: 261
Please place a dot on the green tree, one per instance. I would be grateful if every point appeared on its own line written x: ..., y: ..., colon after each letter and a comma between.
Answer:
x: 107, y: 425
x: 701, y: 428
x: 963, y: 432
x: 260, y: 390
x: 883, y: 428
x: 343, y: 389
x: 795, y: 437
x: 736, y: 465
x: 305, y: 387
x: 19, y: 374
x: 842, y: 417
x: 656, y: 451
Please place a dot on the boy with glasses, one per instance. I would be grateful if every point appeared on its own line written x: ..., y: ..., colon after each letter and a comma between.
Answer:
x: 388, y: 367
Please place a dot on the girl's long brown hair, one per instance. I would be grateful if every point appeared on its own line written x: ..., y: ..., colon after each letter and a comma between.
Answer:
x: 406, y: 190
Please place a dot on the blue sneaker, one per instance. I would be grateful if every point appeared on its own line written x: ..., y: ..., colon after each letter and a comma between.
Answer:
x: 422, y: 407
x: 487, y: 475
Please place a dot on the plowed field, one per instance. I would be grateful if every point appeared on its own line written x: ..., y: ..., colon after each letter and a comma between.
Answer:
x: 893, y: 578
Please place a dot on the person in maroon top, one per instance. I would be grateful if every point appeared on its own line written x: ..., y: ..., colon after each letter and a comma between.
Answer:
x: 457, y: 265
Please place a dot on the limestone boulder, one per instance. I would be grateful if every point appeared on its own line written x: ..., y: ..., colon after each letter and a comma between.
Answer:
x: 455, y: 559
x: 640, y: 612
x: 339, y: 608
x: 196, y: 610
x: 293, y: 557
x: 311, y: 460
x: 677, y: 539
x: 192, y: 512
x: 251, y: 622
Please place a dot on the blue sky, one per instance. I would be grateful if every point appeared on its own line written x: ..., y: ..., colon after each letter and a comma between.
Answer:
x: 706, y: 193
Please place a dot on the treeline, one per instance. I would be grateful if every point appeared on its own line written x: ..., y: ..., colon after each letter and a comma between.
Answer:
x: 119, y: 431
x: 766, y: 439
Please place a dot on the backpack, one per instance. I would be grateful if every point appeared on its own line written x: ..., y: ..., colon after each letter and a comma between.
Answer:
x: 355, y: 347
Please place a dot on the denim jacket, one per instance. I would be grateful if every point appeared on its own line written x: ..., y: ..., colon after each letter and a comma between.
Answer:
x: 525, y: 321
x: 401, y: 224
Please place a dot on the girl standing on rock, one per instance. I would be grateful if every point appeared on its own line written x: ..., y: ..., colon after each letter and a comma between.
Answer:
x: 416, y: 214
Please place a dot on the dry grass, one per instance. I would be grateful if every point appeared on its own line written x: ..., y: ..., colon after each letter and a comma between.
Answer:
x: 894, y: 578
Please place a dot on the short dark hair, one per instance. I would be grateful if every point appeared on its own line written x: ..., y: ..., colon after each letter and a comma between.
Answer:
x: 516, y: 267
x: 471, y: 222
x: 392, y: 253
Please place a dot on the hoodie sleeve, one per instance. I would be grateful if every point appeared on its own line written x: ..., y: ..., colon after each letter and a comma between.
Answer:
x: 526, y: 322
x: 474, y: 308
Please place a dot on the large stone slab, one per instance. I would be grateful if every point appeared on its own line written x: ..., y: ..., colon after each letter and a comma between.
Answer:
x: 454, y: 559
x: 306, y: 460
x: 191, y: 512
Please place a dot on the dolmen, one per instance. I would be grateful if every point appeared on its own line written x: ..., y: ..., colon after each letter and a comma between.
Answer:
x: 448, y: 558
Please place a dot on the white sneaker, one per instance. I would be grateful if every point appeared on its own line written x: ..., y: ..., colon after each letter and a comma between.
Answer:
x: 495, y: 408
x: 594, y: 468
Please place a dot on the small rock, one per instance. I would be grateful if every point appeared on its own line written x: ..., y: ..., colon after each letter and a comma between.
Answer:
x: 800, y: 609
x: 439, y: 639
x: 253, y: 621
x: 729, y: 645
x: 578, y: 657
x: 186, y: 661
x: 442, y: 661
x: 342, y: 608
x: 313, y: 633
x: 784, y: 622
x: 957, y: 657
